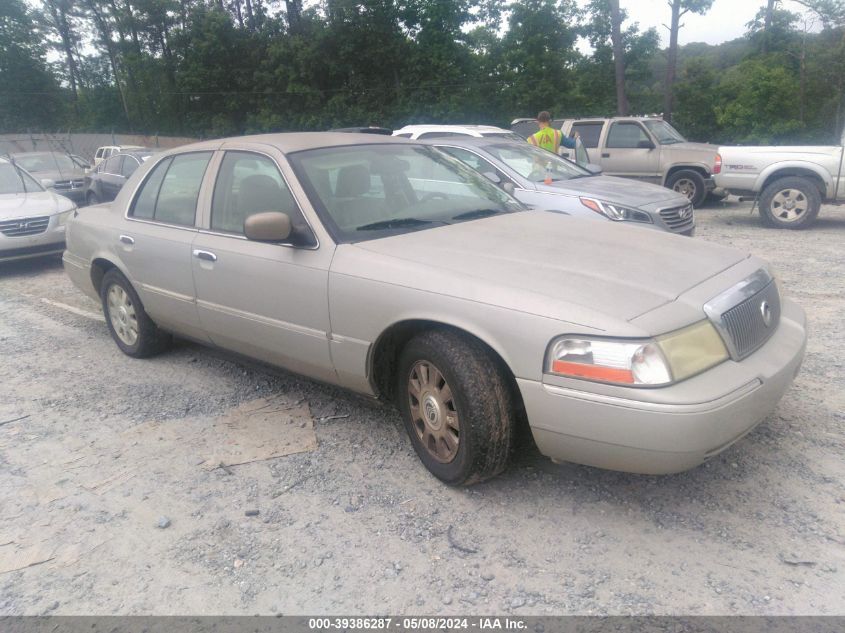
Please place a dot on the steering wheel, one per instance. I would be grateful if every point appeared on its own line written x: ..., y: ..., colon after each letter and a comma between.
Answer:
x: 431, y: 195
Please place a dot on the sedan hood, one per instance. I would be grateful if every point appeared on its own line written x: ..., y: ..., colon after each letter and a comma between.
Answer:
x: 619, y: 190
x: 25, y: 205
x: 547, y: 263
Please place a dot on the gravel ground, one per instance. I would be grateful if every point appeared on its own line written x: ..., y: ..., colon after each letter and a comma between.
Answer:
x: 101, y: 493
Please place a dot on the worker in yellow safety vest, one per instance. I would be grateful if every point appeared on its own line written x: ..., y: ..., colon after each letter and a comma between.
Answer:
x: 548, y: 138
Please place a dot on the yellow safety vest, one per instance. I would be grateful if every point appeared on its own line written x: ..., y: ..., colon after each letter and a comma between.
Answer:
x: 548, y: 138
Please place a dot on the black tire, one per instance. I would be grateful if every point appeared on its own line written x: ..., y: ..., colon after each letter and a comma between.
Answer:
x: 689, y: 183
x: 92, y: 198
x: 482, y: 400
x: 773, y: 207
x: 150, y: 339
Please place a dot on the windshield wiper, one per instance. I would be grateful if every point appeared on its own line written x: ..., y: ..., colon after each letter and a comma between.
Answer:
x: 478, y: 213
x: 397, y: 223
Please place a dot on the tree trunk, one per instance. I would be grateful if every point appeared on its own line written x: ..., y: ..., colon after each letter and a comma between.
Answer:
x: 250, y: 15
x: 618, y: 57
x: 671, y: 60
x: 57, y: 12
x: 105, y: 39
x: 767, y: 25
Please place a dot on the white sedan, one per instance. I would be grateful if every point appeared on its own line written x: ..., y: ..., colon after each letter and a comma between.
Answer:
x: 32, y: 219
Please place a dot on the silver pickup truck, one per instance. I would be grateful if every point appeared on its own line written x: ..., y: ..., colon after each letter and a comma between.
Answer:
x: 648, y: 149
x: 790, y: 183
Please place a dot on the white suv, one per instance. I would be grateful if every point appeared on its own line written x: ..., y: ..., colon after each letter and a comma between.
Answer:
x: 415, y: 132
x: 107, y: 150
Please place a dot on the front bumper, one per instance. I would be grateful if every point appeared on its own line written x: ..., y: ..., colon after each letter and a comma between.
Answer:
x: 50, y: 242
x: 689, y: 422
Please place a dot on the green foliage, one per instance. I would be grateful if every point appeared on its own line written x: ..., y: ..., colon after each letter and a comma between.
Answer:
x: 213, y: 68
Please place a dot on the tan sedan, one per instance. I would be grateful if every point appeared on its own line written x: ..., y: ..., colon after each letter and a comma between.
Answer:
x: 391, y: 269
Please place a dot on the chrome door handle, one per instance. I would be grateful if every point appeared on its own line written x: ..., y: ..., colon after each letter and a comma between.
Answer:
x: 206, y: 255
x: 126, y: 239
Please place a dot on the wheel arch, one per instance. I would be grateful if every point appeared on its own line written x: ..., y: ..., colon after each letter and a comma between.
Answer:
x: 100, y: 265
x: 674, y: 169
x: 798, y: 169
x: 384, y: 353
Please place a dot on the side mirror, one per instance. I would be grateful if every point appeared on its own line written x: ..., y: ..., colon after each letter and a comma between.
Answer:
x: 492, y: 177
x: 594, y: 169
x: 47, y: 183
x: 645, y: 145
x: 270, y: 226
x: 508, y: 187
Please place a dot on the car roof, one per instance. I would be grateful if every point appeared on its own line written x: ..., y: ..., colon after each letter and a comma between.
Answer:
x: 469, y: 141
x: 289, y: 142
x: 429, y: 127
x: 18, y: 154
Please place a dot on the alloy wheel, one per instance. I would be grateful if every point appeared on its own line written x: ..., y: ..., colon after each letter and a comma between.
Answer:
x: 122, y: 315
x: 789, y: 205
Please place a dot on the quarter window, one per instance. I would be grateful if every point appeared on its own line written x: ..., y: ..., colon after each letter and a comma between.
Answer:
x: 171, y: 190
x: 624, y: 135
x: 247, y: 184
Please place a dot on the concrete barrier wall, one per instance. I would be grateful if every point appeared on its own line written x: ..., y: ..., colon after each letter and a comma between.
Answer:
x: 82, y: 144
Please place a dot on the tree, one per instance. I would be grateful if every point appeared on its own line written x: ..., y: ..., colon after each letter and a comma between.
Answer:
x: 30, y: 96
x: 618, y: 57
x: 679, y: 9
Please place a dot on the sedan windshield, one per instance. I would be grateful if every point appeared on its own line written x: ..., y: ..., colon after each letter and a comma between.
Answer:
x: 46, y: 162
x: 534, y: 163
x: 14, y: 180
x: 664, y: 133
x: 368, y: 191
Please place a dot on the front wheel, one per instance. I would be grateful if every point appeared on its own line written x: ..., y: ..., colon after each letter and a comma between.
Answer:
x: 131, y: 328
x: 790, y: 203
x: 690, y: 184
x: 457, y: 405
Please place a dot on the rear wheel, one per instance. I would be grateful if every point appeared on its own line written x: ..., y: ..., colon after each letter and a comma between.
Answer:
x: 688, y: 183
x: 131, y: 328
x: 792, y: 202
x: 457, y: 405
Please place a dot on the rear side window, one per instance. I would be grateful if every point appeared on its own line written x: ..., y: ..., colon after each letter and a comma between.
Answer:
x: 589, y: 132
x: 171, y: 190
x: 624, y: 135
x: 129, y: 166
x: 112, y: 165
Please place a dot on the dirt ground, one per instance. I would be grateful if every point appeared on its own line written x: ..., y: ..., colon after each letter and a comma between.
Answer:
x: 110, y: 502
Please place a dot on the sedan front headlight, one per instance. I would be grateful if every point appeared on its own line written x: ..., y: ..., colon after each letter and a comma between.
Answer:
x: 64, y: 216
x: 653, y: 362
x: 616, y: 212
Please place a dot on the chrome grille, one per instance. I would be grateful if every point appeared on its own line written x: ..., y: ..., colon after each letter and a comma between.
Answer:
x: 747, y: 314
x: 24, y: 226
x: 65, y: 185
x: 678, y: 218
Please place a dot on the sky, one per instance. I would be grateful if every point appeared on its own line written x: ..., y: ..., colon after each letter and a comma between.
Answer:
x: 725, y: 21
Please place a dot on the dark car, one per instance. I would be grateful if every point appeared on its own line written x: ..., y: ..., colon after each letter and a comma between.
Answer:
x: 104, y: 183
x: 66, y: 173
